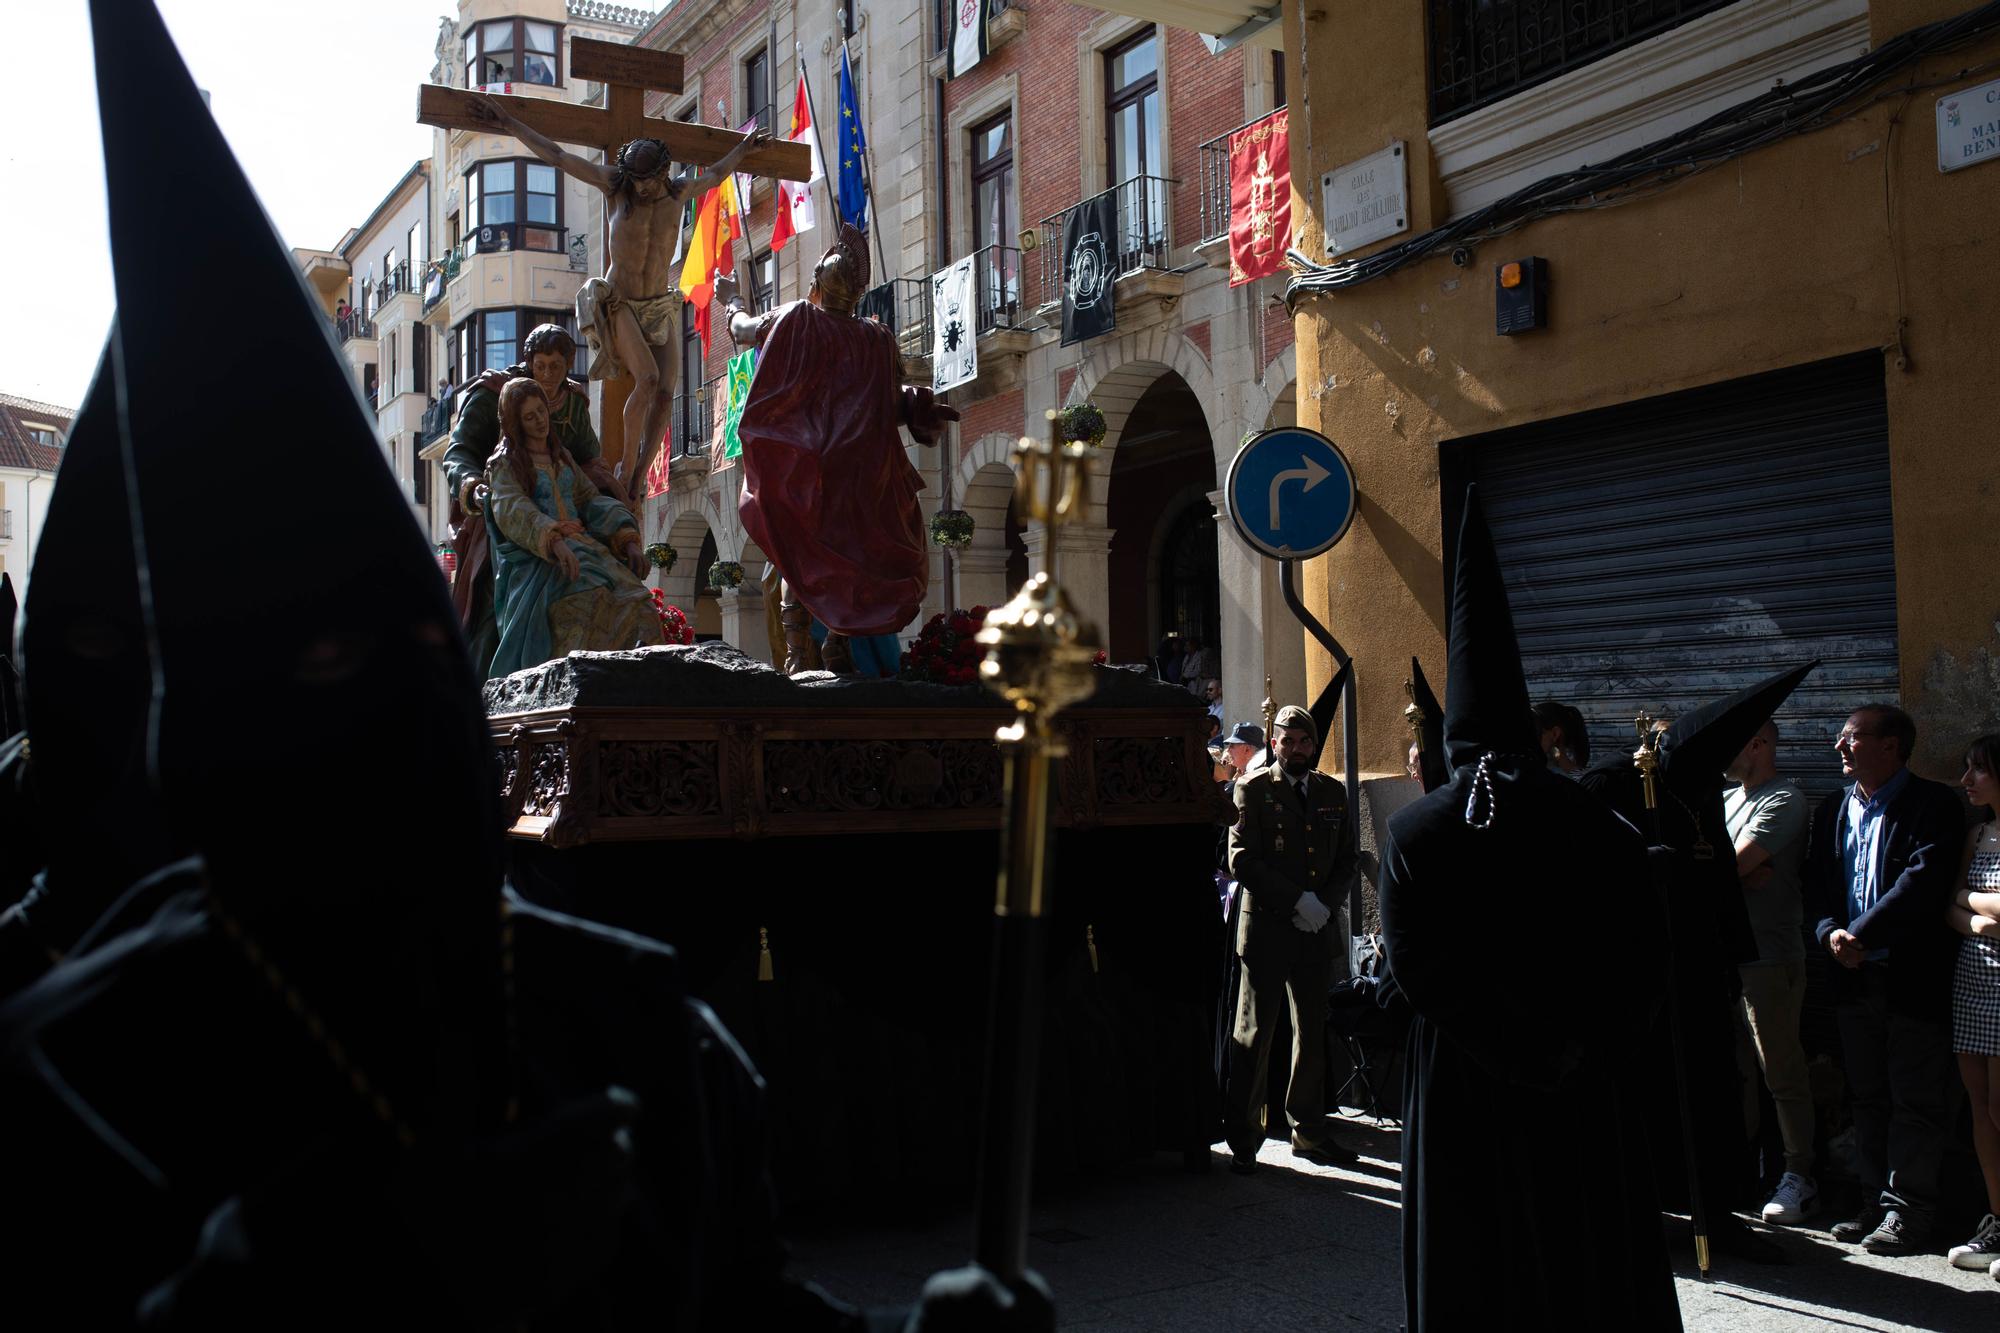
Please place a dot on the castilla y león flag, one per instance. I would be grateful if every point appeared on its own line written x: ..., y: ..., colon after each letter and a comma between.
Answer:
x: 1260, y: 198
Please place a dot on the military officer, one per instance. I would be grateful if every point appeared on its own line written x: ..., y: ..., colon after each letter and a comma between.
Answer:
x: 1291, y: 856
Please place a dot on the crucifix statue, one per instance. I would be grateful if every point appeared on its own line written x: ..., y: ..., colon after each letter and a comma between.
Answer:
x: 640, y: 308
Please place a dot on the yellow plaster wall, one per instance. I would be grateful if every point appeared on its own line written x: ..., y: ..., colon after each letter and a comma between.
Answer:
x: 1811, y: 248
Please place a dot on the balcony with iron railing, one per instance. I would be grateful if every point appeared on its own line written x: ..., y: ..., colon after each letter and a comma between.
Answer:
x: 691, y: 427
x: 1139, y: 251
x: 996, y: 290
x: 999, y: 315
x: 435, y: 421
x: 1213, y: 170
x: 437, y: 276
x: 1005, y: 20
x: 1214, y: 203
x: 354, y: 325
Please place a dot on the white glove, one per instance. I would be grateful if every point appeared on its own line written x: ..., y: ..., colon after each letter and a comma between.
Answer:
x: 1311, y: 913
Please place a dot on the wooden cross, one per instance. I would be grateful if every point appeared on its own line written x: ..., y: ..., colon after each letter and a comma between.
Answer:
x: 628, y: 73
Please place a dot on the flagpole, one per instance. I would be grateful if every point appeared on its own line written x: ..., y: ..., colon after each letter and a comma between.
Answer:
x: 867, y: 175
x: 743, y: 216
x: 819, y: 145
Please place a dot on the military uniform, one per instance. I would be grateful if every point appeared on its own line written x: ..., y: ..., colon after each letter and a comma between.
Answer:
x: 1282, y: 847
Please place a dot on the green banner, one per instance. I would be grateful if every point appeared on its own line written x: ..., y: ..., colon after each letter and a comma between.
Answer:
x: 740, y: 367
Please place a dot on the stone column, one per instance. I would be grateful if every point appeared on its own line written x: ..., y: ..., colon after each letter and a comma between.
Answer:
x: 1242, y: 643
x: 1082, y: 567
x: 982, y: 575
x: 743, y: 619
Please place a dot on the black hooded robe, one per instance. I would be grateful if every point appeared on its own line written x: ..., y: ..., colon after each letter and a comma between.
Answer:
x: 1527, y: 1180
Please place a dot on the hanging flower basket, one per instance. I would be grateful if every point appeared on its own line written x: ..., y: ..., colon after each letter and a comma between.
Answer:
x: 662, y: 555
x: 1083, y: 423
x: 951, y: 528
x: 724, y: 574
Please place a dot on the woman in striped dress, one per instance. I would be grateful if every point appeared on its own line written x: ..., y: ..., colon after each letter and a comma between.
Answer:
x: 1975, y: 993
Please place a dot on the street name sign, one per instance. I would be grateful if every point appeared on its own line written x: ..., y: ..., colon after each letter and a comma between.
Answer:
x: 1968, y: 127
x: 1290, y: 493
x: 1365, y: 201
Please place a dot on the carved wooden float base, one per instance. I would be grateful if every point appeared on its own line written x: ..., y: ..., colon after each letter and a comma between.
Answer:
x: 671, y: 743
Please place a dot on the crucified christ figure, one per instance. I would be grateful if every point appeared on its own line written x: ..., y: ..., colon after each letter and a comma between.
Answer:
x: 643, y: 312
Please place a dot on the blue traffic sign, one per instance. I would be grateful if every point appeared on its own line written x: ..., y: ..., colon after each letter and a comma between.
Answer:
x: 1290, y: 493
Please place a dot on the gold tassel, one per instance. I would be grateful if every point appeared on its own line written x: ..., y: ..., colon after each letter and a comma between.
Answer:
x: 764, y: 972
x: 1090, y: 941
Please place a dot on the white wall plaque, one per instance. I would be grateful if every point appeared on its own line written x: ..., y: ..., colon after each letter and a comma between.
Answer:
x: 1968, y: 125
x: 1366, y: 200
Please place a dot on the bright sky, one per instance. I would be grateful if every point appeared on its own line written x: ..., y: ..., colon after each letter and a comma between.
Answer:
x: 318, y: 102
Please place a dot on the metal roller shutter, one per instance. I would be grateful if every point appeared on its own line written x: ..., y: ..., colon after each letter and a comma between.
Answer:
x: 1663, y: 553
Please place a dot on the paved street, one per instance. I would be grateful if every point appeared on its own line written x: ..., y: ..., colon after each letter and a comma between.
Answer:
x: 1305, y: 1247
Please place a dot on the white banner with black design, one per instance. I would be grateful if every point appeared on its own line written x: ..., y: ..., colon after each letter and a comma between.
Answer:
x: 954, y: 340
x: 968, y: 36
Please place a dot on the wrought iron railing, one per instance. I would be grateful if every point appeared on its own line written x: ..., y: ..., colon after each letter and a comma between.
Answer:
x: 435, y: 422
x: 692, y: 425
x: 1483, y: 50
x: 903, y: 305
x: 1215, y: 180
x: 393, y: 283
x: 996, y: 287
x: 353, y: 325
x: 1142, y: 228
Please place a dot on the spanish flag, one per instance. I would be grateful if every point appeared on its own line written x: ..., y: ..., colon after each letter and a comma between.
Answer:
x: 717, y: 223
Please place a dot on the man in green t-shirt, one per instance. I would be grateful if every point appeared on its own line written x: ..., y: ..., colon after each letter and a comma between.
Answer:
x: 548, y: 353
x: 1766, y: 817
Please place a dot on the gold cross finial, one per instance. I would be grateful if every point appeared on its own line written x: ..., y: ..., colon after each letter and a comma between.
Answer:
x: 1052, y: 486
x: 1647, y: 757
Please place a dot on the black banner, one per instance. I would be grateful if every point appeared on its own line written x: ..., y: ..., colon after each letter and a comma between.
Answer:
x: 879, y: 303
x: 1089, y: 248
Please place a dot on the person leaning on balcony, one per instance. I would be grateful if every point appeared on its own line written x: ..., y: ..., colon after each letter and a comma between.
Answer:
x: 547, y: 354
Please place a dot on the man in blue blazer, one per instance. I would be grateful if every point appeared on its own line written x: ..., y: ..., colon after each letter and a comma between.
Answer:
x: 1881, y: 865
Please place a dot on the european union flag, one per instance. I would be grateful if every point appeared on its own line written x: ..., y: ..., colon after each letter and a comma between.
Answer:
x: 850, y: 143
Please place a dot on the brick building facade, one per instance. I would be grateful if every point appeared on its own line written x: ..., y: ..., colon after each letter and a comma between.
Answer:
x: 1191, y: 367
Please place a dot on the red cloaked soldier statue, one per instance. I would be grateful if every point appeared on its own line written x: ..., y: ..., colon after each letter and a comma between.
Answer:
x: 828, y: 492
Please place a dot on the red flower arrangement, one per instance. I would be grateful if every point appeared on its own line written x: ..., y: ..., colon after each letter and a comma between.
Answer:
x: 946, y: 651
x: 673, y: 621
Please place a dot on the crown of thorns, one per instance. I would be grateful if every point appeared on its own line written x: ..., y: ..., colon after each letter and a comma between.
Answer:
x: 633, y: 159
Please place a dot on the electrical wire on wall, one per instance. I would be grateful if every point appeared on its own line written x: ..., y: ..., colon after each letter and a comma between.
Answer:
x: 1820, y: 99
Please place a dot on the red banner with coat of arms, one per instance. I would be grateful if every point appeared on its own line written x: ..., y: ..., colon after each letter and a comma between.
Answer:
x: 1260, y: 198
